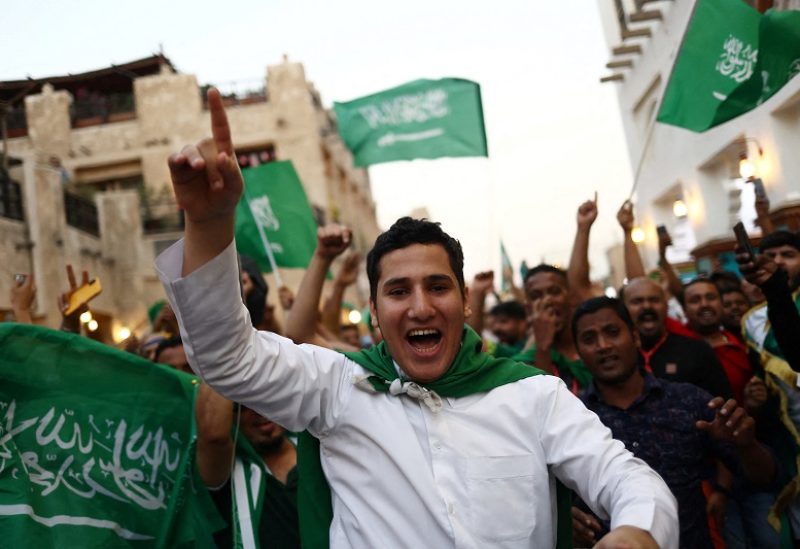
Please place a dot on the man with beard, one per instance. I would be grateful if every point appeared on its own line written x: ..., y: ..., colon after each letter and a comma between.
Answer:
x: 783, y: 248
x: 251, y: 475
x: 703, y: 308
x: 674, y: 427
x: 667, y: 354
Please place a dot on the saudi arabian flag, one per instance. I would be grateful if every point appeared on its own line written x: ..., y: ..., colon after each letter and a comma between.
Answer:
x: 274, y: 198
x: 718, y: 54
x: 96, y: 447
x: 778, y: 62
x: 420, y: 119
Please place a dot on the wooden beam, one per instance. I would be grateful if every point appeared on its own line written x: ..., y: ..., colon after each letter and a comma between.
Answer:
x: 647, y: 15
x: 627, y: 50
x: 636, y: 33
x: 623, y: 64
x: 619, y: 77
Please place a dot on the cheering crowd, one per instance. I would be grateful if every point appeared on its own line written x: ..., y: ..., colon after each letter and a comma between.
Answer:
x: 559, y: 418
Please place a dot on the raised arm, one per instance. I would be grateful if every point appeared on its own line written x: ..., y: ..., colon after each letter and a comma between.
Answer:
x: 207, y: 184
x: 345, y: 277
x: 301, y: 326
x: 22, y: 295
x: 781, y: 310
x: 215, y: 450
x: 580, y: 286
x: 482, y: 284
x: 634, y: 268
x: 673, y: 281
x: 298, y: 387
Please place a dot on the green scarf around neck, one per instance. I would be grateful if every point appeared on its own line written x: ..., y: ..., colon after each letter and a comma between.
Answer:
x: 471, y: 372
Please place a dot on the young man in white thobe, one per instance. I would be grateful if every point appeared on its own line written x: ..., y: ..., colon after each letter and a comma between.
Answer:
x: 424, y: 441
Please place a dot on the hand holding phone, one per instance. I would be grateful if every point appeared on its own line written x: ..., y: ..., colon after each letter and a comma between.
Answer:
x: 743, y: 240
x: 78, y: 296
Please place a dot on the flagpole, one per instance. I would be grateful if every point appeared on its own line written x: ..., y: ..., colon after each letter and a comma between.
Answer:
x: 265, y: 242
x: 651, y: 131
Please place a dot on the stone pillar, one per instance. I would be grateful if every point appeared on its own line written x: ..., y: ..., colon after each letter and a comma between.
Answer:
x: 120, y: 242
x: 49, y: 122
x: 44, y: 214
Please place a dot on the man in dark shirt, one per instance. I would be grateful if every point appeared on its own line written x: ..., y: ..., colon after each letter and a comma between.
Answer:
x: 665, y: 354
x: 675, y: 427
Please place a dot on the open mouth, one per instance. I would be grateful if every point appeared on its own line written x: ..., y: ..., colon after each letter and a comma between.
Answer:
x: 648, y: 320
x: 424, y: 340
x: 608, y: 361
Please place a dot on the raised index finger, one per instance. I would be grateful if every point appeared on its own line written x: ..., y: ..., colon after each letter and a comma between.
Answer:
x: 220, y: 129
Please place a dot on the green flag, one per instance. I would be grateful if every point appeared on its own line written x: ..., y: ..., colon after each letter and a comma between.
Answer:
x: 778, y: 62
x: 274, y: 197
x: 96, y: 447
x: 420, y: 119
x: 718, y: 54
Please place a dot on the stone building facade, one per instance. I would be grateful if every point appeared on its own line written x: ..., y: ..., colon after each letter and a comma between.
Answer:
x: 89, y: 167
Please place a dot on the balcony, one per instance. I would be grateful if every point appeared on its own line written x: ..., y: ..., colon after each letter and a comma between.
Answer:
x: 16, y: 122
x: 94, y: 109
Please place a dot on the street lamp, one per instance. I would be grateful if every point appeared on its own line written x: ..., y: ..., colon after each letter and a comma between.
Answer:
x: 747, y: 169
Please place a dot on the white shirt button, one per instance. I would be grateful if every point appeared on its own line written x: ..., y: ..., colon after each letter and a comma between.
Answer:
x: 451, y: 509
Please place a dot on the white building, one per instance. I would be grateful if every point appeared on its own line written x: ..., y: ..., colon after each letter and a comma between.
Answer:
x: 700, y: 169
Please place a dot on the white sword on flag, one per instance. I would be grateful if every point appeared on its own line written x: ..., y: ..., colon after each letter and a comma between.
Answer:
x: 265, y: 242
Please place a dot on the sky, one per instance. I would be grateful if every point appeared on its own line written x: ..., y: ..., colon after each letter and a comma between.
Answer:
x: 554, y: 131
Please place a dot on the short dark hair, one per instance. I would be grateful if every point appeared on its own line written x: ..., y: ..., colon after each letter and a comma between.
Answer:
x: 701, y: 279
x: 779, y: 238
x: 545, y: 268
x: 596, y: 304
x: 174, y: 341
x: 405, y: 232
x: 725, y: 281
x: 731, y: 290
x: 513, y: 309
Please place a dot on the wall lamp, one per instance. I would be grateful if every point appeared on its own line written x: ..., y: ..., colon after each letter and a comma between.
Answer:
x: 747, y: 169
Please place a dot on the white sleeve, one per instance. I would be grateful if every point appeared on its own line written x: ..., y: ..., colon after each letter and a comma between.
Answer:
x: 297, y: 386
x: 614, y: 483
